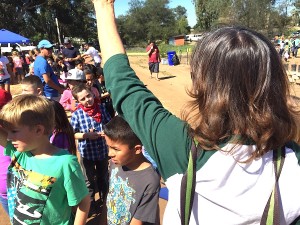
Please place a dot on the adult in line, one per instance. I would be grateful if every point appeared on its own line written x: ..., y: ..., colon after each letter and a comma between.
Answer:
x: 238, y: 116
x: 52, y: 88
x: 154, y: 58
x: 6, y: 72
x: 296, y: 46
x: 70, y: 54
x: 92, y: 53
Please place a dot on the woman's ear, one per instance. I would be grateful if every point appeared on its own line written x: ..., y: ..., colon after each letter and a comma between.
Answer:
x: 138, y: 149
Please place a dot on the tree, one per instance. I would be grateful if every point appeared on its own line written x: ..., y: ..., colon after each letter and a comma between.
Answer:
x: 261, y: 15
x: 181, y: 20
x: 36, y: 18
x: 147, y: 20
x: 296, y: 13
x: 207, y: 12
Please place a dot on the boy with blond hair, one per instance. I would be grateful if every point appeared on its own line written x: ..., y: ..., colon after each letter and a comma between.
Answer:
x: 44, y: 182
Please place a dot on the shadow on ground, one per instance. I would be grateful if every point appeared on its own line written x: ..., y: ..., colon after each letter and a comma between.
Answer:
x: 165, y: 78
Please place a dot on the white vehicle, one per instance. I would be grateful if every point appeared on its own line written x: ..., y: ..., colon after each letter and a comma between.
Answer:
x: 8, y: 47
x: 192, y: 37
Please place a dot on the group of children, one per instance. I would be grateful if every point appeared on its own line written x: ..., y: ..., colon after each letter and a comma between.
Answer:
x: 45, y: 176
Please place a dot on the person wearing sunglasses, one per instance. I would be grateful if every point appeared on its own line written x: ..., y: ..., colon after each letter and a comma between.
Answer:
x: 52, y: 88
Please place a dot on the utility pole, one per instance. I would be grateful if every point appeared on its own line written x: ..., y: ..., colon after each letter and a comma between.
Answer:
x: 58, y: 33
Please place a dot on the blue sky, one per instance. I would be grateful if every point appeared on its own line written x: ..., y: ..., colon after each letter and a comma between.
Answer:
x: 121, y: 8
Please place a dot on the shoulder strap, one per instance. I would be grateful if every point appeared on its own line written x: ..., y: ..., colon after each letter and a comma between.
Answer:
x: 271, y: 214
x: 188, y: 187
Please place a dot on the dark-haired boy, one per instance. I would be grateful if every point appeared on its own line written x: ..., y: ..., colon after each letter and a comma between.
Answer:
x: 133, y: 185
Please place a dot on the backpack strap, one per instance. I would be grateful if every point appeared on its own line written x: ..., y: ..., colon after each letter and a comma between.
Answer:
x: 271, y: 214
x: 187, y: 190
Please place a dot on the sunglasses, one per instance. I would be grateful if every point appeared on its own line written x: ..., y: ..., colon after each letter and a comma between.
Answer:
x: 49, y: 49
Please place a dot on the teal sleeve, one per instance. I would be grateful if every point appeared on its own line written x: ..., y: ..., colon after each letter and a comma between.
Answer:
x: 75, y: 186
x: 164, y: 136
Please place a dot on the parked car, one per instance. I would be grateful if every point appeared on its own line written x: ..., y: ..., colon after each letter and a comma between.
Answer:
x: 188, y: 37
x: 196, y: 37
x: 9, y: 47
x: 192, y: 37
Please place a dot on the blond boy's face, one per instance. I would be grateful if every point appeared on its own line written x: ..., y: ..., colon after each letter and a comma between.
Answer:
x: 31, y: 89
x: 23, y: 138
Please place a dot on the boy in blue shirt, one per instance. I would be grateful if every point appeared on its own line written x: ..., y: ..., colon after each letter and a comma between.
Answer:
x: 87, y: 121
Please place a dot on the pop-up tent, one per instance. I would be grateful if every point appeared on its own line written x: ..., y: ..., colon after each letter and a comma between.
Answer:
x: 7, y: 36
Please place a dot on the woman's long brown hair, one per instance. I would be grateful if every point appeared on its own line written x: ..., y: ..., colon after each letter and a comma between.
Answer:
x: 239, y: 87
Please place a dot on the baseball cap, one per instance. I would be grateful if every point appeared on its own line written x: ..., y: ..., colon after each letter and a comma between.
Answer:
x: 45, y: 44
x: 75, y: 74
x: 5, y: 97
x: 67, y: 41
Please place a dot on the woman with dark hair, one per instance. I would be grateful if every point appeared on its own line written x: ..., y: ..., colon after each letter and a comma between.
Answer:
x: 245, y: 130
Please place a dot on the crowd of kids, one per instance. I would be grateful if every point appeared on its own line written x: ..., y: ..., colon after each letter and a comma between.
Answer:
x: 28, y: 162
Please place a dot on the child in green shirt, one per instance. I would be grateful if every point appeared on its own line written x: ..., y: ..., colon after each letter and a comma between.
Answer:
x: 44, y: 182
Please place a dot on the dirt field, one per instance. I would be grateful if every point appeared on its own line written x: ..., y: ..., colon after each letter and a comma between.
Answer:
x: 170, y: 90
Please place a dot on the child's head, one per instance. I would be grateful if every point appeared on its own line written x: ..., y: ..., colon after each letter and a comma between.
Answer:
x: 15, y: 53
x: 62, y: 124
x: 123, y: 143
x: 78, y: 64
x: 59, y: 60
x: 50, y: 61
x: 29, y: 111
x: 83, y: 94
x: 89, y: 77
x: 99, y: 75
x: 239, y: 87
x: 32, y: 85
x: 74, y: 77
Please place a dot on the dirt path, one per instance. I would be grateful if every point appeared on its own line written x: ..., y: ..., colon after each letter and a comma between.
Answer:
x: 171, y: 89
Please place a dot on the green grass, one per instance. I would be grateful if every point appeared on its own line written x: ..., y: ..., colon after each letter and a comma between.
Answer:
x: 163, y: 48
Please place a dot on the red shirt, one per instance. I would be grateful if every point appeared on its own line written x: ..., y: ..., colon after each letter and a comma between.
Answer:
x: 153, y: 55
